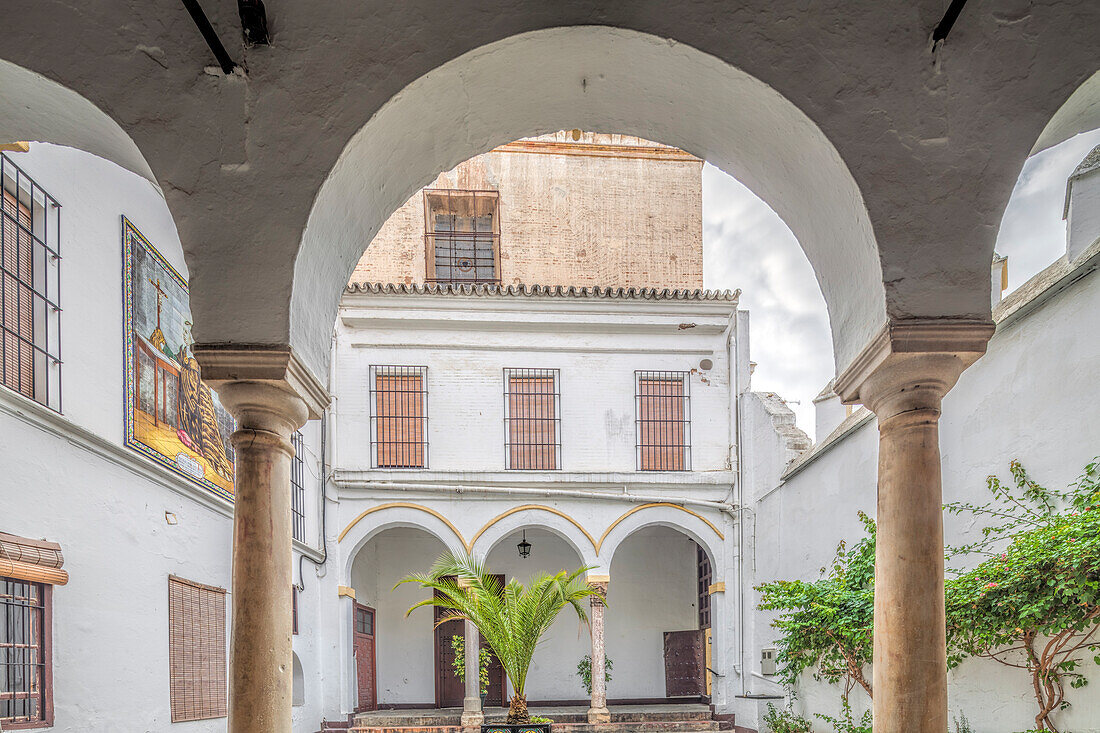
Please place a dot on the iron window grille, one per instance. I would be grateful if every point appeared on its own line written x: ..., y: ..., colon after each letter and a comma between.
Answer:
x: 30, y: 283
x: 25, y: 684
x: 532, y: 420
x: 663, y: 415
x: 399, y: 416
x: 462, y: 236
x: 298, y: 488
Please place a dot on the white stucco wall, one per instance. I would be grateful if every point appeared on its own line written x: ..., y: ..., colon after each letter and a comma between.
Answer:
x: 1032, y: 397
x: 68, y: 478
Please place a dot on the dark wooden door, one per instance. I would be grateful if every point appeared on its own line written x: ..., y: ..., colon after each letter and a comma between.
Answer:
x: 449, y: 689
x: 685, y: 663
x: 364, y: 658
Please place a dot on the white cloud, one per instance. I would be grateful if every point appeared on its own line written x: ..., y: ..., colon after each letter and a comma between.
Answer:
x: 746, y: 245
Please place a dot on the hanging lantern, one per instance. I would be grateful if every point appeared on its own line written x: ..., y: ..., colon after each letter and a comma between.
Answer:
x: 524, y: 546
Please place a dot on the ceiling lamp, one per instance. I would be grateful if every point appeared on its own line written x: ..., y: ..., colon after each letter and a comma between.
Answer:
x: 524, y: 546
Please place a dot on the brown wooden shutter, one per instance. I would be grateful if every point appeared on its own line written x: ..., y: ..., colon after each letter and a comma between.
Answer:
x: 532, y: 431
x: 661, y: 424
x: 196, y: 650
x: 400, y: 420
x: 36, y: 561
x: 18, y: 310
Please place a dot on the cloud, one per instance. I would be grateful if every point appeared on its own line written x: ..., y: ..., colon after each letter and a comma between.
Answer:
x: 746, y: 245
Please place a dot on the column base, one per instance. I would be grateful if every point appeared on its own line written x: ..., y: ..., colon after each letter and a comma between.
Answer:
x: 472, y: 719
x: 599, y: 715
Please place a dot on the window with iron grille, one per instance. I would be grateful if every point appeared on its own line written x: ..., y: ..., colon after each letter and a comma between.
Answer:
x: 664, y: 421
x: 399, y: 416
x: 298, y: 488
x: 196, y: 650
x: 705, y: 577
x: 294, y: 609
x: 532, y: 420
x: 26, y: 697
x: 462, y: 236
x: 30, y: 312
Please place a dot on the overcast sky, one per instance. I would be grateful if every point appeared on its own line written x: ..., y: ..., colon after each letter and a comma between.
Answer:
x: 746, y: 245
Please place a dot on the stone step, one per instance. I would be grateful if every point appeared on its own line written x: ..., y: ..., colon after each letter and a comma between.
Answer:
x: 648, y: 726
x: 439, y: 719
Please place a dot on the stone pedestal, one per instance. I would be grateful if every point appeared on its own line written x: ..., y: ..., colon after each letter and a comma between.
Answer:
x: 598, y: 712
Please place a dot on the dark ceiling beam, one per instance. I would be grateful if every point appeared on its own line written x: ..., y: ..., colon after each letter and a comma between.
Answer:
x: 949, y: 18
x: 210, y: 35
x: 253, y: 22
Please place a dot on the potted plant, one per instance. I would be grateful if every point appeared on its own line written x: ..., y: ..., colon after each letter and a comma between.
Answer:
x: 484, y: 659
x: 584, y: 671
x: 511, y: 618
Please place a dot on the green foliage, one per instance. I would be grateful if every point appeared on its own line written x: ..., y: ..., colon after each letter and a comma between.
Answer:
x: 540, y: 719
x: 962, y: 725
x: 584, y: 671
x: 484, y: 659
x: 845, y: 723
x: 786, y: 721
x: 827, y: 624
x: 511, y: 618
x: 1035, y: 603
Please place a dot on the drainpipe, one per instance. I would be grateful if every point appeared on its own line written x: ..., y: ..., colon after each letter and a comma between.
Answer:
x: 403, y: 486
x: 734, y: 348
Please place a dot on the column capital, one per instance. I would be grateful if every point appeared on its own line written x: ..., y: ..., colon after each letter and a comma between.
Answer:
x: 912, y: 363
x: 274, y: 364
x: 598, y: 583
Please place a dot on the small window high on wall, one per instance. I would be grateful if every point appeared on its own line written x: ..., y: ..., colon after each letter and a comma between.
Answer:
x: 198, y: 687
x: 532, y: 417
x: 30, y: 312
x: 462, y: 236
x: 664, y: 421
x: 399, y: 416
x: 298, y: 487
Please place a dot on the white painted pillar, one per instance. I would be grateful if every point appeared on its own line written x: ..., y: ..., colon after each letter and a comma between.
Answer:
x: 598, y: 712
x: 472, y: 714
x: 903, y: 380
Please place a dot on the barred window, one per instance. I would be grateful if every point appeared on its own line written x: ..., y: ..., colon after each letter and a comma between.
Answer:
x: 399, y: 416
x: 704, y: 577
x: 462, y: 236
x: 298, y: 488
x: 30, y: 314
x: 664, y: 421
x: 532, y: 419
x: 196, y: 650
x: 25, y: 684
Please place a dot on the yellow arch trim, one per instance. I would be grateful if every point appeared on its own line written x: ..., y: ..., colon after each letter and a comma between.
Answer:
x: 405, y: 505
x: 527, y: 507
x: 636, y: 509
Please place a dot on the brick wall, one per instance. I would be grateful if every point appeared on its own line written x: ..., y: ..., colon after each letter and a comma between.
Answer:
x: 608, y: 210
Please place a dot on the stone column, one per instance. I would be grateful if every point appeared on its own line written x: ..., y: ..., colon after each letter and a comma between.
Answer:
x: 263, y: 389
x: 903, y: 384
x: 472, y: 714
x: 598, y: 712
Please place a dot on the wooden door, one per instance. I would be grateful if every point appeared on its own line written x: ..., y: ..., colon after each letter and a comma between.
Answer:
x: 449, y: 689
x: 685, y: 663
x: 364, y: 658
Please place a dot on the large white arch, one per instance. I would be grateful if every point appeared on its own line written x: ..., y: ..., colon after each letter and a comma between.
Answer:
x: 375, y: 520
x: 49, y: 112
x: 574, y: 535
x: 604, y: 79
x: 705, y: 530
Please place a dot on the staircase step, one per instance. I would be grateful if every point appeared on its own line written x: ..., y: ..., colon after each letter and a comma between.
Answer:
x: 648, y: 726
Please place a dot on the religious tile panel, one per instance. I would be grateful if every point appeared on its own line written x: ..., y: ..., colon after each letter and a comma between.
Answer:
x: 172, y: 416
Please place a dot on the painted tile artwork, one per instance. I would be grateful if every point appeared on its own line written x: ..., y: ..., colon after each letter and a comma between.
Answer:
x: 172, y: 416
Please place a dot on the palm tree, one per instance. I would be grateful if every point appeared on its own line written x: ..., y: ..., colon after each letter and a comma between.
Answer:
x: 511, y: 618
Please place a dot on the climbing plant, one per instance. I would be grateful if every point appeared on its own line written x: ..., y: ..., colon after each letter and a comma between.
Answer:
x: 1033, y: 603
x: 827, y: 623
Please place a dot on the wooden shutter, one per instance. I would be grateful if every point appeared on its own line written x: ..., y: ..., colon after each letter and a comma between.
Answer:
x: 196, y: 650
x: 661, y: 423
x: 18, y: 310
x: 399, y: 407
x: 532, y: 430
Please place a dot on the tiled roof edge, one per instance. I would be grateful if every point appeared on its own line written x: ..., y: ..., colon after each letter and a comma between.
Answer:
x: 543, y: 291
